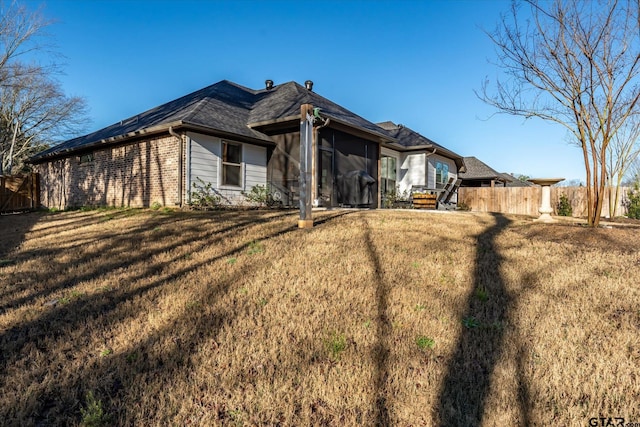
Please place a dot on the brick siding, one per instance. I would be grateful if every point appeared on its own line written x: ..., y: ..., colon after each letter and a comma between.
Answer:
x: 138, y: 174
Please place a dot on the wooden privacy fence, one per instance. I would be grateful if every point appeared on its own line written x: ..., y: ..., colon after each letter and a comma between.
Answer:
x: 19, y: 192
x: 526, y: 200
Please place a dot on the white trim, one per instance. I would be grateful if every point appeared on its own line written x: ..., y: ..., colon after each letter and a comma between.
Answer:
x: 222, y: 186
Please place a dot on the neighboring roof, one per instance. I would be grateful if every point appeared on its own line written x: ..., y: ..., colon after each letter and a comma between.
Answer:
x: 408, y: 138
x: 512, y: 181
x: 225, y: 108
x: 478, y: 170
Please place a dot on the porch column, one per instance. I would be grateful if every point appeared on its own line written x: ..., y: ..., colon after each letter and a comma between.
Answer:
x: 306, y: 160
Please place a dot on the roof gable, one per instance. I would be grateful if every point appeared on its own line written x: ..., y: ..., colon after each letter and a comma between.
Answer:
x: 285, y: 100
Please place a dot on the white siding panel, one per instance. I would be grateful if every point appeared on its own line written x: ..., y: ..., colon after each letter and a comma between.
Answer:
x: 412, y: 171
x: 205, y: 163
x: 205, y: 158
x: 255, y: 166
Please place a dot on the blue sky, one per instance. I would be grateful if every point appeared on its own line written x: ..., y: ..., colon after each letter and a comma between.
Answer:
x: 412, y: 62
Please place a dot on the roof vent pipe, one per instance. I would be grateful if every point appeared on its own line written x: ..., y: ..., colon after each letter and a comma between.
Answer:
x: 309, y: 85
x: 268, y: 84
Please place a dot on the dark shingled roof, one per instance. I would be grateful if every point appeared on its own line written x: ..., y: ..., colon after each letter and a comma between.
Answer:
x: 285, y: 100
x: 408, y: 138
x: 512, y: 181
x: 224, y: 107
x: 477, y: 170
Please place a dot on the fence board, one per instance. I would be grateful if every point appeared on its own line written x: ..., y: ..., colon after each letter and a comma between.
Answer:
x: 19, y: 192
x: 526, y: 200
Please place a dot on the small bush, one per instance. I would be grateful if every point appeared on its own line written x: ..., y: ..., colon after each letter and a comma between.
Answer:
x: 259, y: 195
x: 203, y: 196
x: 633, y: 204
x: 564, y: 206
x: 394, y: 198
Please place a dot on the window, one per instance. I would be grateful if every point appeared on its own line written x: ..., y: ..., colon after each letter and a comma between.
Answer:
x: 442, y: 174
x: 86, y: 158
x: 231, y: 164
x: 388, y: 172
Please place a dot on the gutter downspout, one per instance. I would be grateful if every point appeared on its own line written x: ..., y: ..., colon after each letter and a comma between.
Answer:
x: 180, y: 164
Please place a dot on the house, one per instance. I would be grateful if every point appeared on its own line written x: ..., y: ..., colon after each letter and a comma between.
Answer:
x: 236, y: 138
x: 417, y: 160
x: 479, y: 174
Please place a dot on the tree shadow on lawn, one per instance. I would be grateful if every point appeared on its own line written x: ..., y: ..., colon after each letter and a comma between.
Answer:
x: 113, y: 248
x: 383, y: 330
x: 468, y: 380
x: 50, y: 401
x: 14, y: 228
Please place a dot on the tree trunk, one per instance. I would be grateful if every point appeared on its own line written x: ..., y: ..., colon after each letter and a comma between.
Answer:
x: 13, y: 144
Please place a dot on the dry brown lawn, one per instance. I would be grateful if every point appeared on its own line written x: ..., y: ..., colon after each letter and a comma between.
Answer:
x: 134, y: 317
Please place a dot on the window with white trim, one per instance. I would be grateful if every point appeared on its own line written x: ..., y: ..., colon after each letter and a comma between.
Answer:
x: 389, y: 174
x: 231, y: 164
x: 442, y: 174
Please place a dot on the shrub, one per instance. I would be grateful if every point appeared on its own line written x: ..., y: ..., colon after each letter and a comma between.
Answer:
x: 564, y: 206
x: 204, y: 196
x: 392, y: 198
x: 259, y: 195
x: 633, y: 204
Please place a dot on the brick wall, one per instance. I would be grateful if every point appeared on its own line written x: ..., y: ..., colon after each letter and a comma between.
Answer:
x: 133, y: 175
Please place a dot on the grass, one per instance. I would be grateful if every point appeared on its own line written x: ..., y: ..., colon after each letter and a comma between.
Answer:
x: 371, y: 317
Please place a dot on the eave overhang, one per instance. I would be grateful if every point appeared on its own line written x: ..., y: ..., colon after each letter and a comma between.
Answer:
x: 147, y: 132
x: 338, y: 124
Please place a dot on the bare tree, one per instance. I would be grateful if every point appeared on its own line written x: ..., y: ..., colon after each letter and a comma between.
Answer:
x: 574, y: 63
x: 34, y: 111
x: 633, y: 174
x: 621, y: 155
x: 21, y: 32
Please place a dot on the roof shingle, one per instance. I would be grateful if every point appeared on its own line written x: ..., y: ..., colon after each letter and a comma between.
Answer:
x: 225, y: 107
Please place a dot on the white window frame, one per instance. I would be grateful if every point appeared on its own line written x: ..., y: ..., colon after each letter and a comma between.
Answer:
x: 443, y: 180
x: 397, y: 163
x: 224, y: 163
